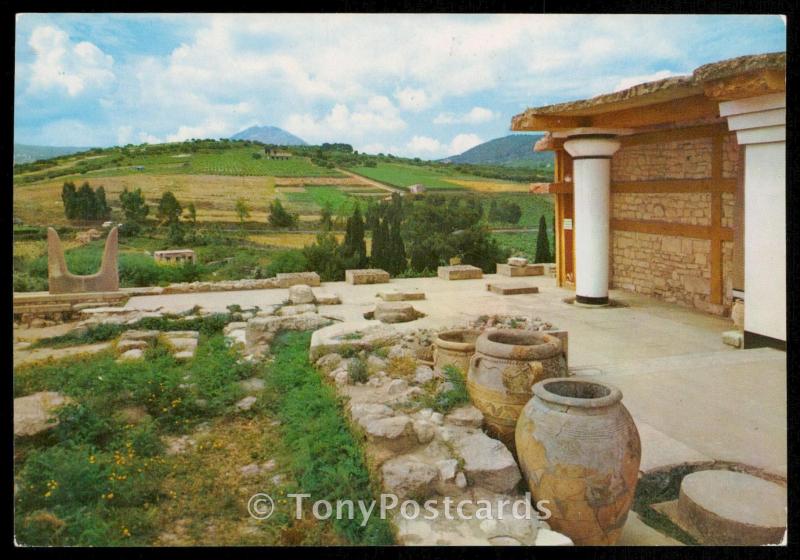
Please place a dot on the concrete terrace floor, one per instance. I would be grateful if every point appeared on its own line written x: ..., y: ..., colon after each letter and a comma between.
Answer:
x: 693, y: 398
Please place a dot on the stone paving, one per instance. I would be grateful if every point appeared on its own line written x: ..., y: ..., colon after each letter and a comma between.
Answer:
x: 694, y: 398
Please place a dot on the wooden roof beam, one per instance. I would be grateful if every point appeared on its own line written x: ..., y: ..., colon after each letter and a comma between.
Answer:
x: 532, y: 121
x: 746, y: 85
x: 684, y: 109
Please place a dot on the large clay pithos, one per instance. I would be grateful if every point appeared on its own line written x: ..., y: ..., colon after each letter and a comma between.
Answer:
x: 579, y: 449
x: 455, y: 347
x: 506, y: 364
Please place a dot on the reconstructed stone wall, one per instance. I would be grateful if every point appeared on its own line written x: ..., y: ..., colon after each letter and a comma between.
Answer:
x: 683, y: 159
x: 676, y: 269
x: 680, y: 208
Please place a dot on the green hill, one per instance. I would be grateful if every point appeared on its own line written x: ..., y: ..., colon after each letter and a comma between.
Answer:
x: 514, y: 150
x: 27, y: 153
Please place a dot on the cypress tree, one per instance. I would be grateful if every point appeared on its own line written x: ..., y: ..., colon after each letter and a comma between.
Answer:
x: 543, y: 243
x: 103, y: 209
x: 69, y: 198
x: 380, y: 247
x: 354, y: 244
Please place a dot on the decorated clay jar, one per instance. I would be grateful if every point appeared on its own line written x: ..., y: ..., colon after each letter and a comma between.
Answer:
x: 454, y: 347
x: 579, y: 449
x: 506, y: 364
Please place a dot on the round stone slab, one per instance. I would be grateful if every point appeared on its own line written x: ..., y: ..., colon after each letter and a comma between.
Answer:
x: 731, y: 508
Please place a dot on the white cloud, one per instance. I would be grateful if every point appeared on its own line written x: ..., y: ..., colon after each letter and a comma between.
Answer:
x: 476, y: 115
x: 211, y: 128
x: 343, y: 124
x: 626, y: 83
x: 412, y: 99
x: 365, y: 79
x: 424, y: 145
x: 430, y: 147
x: 463, y: 142
x: 124, y: 135
x: 59, y: 63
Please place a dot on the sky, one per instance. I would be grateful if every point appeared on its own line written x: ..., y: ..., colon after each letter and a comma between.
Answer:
x: 416, y: 85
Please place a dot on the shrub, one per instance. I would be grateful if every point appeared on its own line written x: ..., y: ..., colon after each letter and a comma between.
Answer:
x: 291, y: 260
x: 357, y: 370
x: 448, y: 399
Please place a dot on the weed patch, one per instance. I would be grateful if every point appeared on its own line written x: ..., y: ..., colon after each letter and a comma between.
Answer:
x: 327, y: 460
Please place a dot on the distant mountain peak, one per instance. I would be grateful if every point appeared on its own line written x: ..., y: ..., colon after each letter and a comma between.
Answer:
x: 269, y: 135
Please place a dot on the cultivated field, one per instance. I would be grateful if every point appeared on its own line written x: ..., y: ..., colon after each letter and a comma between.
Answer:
x: 233, y: 161
x: 404, y: 175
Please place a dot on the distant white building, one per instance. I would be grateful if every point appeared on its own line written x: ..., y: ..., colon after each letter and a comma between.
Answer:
x: 419, y: 188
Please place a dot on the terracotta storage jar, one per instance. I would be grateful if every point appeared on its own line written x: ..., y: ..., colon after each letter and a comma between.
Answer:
x: 454, y: 347
x: 506, y: 364
x: 579, y: 449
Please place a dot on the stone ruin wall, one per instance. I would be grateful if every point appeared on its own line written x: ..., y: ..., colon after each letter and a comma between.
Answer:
x: 675, y: 269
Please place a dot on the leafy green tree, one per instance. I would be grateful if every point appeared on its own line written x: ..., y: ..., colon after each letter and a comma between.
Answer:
x: 134, y: 206
x: 190, y: 230
x: 175, y: 233
x: 192, y: 214
x: 242, y: 210
x: 84, y: 203
x: 326, y: 216
x: 279, y: 216
x: 325, y: 257
x: 436, y: 229
x: 543, y: 254
x: 169, y: 209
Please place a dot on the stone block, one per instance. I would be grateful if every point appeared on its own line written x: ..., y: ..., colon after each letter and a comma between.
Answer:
x: 459, y: 272
x: 511, y: 289
x: 516, y: 271
x: 401, y: 295
x: 327, y: 298
x: 366, y: 276
x: 517, y: 261
x: 301, y: 293
x: 288, y: 279
x: 36, y: 413
x: 395, y: 312
x: 733, y: 338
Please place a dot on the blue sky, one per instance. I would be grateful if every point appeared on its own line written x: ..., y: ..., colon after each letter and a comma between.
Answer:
x: 414, y: 85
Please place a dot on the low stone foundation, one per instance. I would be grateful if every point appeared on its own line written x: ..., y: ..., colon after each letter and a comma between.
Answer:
x: 524, y: 270
x: 281, y: 280
x: 366, y: 276
x: 459, y: 272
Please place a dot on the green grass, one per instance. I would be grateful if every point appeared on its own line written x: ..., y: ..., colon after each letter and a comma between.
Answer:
x: 532, y: 206
x: 327, y: 460
x: 401, y: 175
x: 314, y: 198
x: 96, y: 479
x: 522, y: 243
